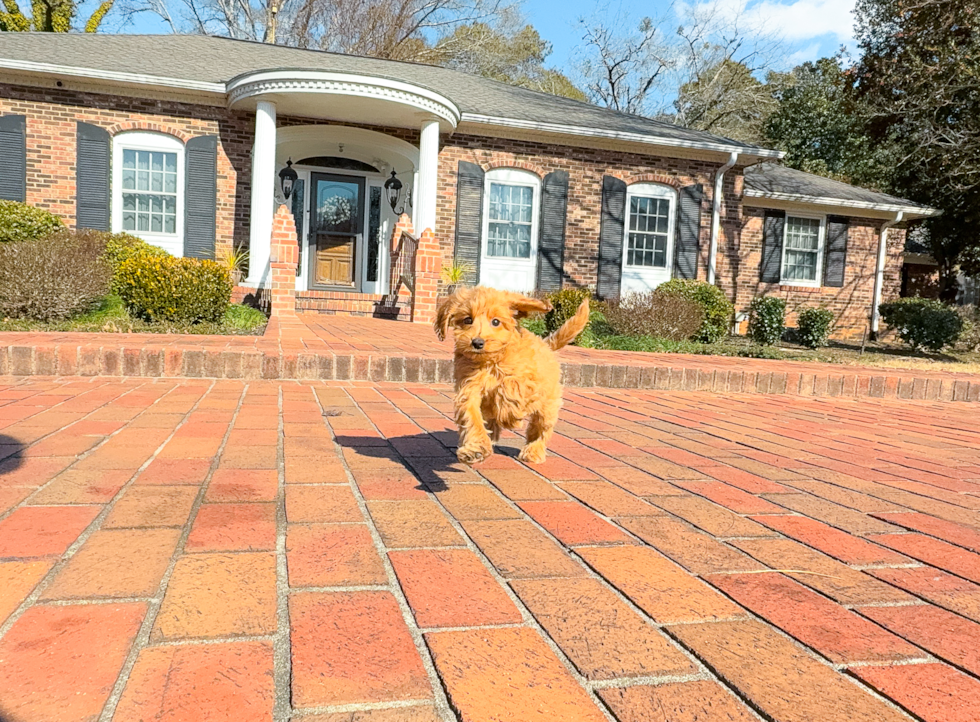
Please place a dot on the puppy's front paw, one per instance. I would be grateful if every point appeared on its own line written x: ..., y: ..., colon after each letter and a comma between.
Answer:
x: 533, y: 453
x: 474, y: 453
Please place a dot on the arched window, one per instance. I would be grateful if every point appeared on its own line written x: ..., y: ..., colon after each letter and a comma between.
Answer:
x: 148, y: 188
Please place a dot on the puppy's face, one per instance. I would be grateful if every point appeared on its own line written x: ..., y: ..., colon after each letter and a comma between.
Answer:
x: 484, y: 320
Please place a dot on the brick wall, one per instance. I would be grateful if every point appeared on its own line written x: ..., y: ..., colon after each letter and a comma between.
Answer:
x: 51, y: 117
x: 585, y: 167
x: 740, y: 255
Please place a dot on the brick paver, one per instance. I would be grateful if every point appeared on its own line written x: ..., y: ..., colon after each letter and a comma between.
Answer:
x: 182, y: 550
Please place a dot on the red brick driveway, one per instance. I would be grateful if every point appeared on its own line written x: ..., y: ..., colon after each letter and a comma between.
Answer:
x: 187, y: 550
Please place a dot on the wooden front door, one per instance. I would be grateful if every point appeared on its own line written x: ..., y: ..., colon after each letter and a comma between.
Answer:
x: 338, y: 227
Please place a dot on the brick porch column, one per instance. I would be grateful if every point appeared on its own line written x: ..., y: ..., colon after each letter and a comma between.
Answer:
x: 283, y: 257
x: 428, y: 263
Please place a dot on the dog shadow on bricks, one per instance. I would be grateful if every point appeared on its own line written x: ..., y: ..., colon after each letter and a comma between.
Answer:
x: 429, y: 457
x: 11, y: 458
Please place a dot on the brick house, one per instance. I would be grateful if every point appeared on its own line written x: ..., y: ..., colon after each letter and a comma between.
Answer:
x: 191, y: 142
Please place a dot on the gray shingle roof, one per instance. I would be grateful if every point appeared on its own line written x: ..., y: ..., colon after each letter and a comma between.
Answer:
x: 219, y: 60
x: 772, y: 180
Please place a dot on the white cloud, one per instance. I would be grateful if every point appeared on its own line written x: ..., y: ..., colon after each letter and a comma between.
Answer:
x: 806, y: 19
x: 795, y: 22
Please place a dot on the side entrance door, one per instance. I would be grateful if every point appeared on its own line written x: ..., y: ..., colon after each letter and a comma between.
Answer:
x: 337, y: 227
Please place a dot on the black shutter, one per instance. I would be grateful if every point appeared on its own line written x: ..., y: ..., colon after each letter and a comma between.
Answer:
x: 13, y: 158
x: 469, y: 218
x: 772, y: 246
x: 551, y: 237
x: 200, y: 196
x: 835, y: 258
x: 92, y: 177
x: 612, y: 227
x: 687, y: 237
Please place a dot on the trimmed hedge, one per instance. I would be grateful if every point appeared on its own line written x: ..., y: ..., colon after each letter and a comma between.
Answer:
x: 23, y: 222
x: 120, y: 247
x: 923, y: 322
x: 57, y: 279
x: 814, y: 325
x: 716, y: 309
x: 767, y: 319
x: 164, y: 288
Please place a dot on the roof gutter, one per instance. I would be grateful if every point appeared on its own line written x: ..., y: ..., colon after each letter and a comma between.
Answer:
x: 716, y: 215
x: 880, y: 270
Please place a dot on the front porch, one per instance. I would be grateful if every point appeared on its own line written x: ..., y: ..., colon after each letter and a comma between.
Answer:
x: 350, y: 157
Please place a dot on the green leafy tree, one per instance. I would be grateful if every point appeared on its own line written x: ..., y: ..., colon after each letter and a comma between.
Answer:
x: 819, y: 125
x: 727, y: 99
x: 49, y: 16
x: 517, y: 59
x: 919, y: 81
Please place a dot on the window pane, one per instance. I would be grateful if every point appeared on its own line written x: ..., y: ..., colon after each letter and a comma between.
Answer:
x: 170, y: 162
x: 142, y: 222
x: 156, y: 223
x: 170, y: 224
x: 129, y: 201
x: 143, y: 159
x: 156, y: 162
x: 129, y: 179
x: 129, y: 221
x: 129, y: 159
x: 143, y: 180
x: 649, y: 224
x: 170, y: 183
x: 156, y: 182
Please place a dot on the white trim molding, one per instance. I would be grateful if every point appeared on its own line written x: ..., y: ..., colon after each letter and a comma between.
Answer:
x: 112, y: 76
x: 909, y: 210
x: 328, y: 83
x: 656, y: 140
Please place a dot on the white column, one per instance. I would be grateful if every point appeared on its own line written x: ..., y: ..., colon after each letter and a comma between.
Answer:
x: 428, y: 185
x: 263, y: 193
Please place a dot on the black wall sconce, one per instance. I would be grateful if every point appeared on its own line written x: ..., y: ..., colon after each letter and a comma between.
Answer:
x: 287, y: 179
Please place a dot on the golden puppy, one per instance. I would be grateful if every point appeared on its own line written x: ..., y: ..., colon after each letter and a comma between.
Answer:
x: 504, y: 373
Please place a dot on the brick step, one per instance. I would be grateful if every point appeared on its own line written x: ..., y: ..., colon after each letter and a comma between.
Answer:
x: 72, y: 359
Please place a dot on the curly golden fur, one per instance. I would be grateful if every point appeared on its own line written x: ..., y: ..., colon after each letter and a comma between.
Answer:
x: 504, y: 373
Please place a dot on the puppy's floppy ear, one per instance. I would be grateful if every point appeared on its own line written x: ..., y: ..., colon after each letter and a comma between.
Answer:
x: 523, y: 306
x: 444, y: 313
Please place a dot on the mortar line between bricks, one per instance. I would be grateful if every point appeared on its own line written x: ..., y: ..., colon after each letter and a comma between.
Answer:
x: 648, y: 680
x: 94, y: 526
x: 439, y: 698
x: 362, y: 707
x: 928, y: 659
x: 88, y: 452
x: 281, y: 650
x: 25, y: 380
x: 143, y: 636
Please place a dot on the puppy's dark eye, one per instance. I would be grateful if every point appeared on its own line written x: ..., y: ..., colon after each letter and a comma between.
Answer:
x: 495, y: 322
x: 468, y: 320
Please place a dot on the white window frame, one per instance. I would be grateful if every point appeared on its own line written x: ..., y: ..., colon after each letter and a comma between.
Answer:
x: 821, y: 241
x: 512, y: 177
x: 660, y: 192
x: 158, y: 142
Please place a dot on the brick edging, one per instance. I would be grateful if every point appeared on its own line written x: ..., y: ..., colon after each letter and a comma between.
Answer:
x: 79, y: 360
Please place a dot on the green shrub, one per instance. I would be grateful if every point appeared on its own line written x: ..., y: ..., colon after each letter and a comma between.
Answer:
x: 59, y: 278
x: 564, y: 304
x: 164, y: 288
x: 970, y: 338
x: 923, y: 322
x: 534, y: 324
x: 21, y: 222
x: 121, y: 247
x: 717, y: 310
x: 814, y: 325
x: 655, y: 314
x: 767, y: 318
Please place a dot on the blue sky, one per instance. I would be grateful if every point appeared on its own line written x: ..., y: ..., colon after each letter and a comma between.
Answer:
x: 809, y: 28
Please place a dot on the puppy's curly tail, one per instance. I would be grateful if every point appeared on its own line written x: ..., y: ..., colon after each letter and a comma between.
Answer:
x: 571, y: 328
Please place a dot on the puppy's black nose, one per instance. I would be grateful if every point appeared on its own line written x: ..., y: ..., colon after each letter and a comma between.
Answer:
x: 477, y: 343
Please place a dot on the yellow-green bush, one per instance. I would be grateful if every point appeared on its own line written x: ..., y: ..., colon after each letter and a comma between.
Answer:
x: 164, y: 288
x: 121, y: 247
x: 23, y: 222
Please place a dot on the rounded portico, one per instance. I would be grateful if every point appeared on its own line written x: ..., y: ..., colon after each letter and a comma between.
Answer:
x: 339, y: 198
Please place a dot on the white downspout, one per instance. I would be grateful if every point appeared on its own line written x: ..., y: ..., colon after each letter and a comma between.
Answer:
x: 880, y: 270
x: 716, y: 216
